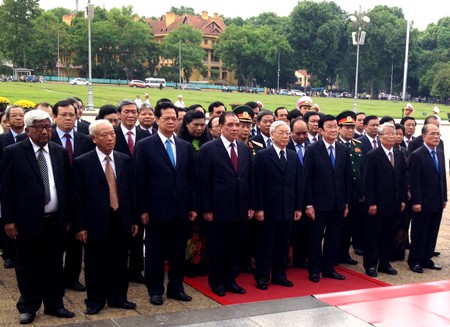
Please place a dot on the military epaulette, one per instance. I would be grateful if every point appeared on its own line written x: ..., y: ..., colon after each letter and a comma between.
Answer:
x: 355, y: 140
x: 258, y: 144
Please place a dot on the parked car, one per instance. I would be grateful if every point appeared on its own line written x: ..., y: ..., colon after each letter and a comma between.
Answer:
x: 284, y: 92
x: 226, y: 89
x: 298, y: 93
x: 138, y: 83
x: 192, y: 87
x: 79, y: 81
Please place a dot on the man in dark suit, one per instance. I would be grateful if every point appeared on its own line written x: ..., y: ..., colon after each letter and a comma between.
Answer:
x: 370, y: 140
x: 418, y: 141
x: 359, y: 127
x: 385, y: 197
x: 278, y: 187
x: 409, y: 123
x: 165, y: 160
x: 104, y: 220
x: 262, y: 140
x: 37, y: 223
x: 299, y: 235
x: 312, y: 122
x: 80, y: 127
x: 127, y: 135
x: 14, y: 116
x: 428, y: 188
x: 256, y: 109
x: 146, y: 120
x: 225, y: 190
x: 76, y: 144
x: 80, y: 112
x: 327, y: 174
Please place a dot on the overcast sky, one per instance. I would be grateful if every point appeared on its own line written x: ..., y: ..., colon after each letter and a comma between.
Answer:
x: 427, y: 12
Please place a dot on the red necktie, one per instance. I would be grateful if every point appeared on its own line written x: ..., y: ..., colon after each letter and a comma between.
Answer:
x: 233, y: 156
x: 69, y: 147
x: 130, y: 142
x: 375, y: 145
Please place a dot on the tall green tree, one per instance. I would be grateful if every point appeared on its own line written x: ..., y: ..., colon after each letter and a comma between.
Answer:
x: 16, y: 17
x: 187, y: 40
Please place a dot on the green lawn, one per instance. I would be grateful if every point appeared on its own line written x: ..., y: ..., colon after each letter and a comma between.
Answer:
x: 112, y: 94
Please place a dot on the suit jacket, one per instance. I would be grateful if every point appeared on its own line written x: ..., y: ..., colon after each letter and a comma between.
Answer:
x: 23, y: 192
x: 154, y: 130
x: 428, y: 186
x: 84, y: 121
x: 326, y: 187
x: 121, y: 142
x: 82, y: 128
x: 384, y: 185
x: 417, y: 142
x: 366, y: 144
x: 278, y: 188
x: 91, y: 194
x: 403, y: 144
x: 259, y: 138
x: 223, y: 191
x: 81, y: 143
x: 291, y: 146
x: 6, y: 139
x: 165, y: 192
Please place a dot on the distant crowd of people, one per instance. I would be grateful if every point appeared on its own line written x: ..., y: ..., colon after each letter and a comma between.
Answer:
x: 211, y: 192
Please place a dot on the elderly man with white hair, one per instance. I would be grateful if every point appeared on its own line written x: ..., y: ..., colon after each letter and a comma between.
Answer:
x: 38, y: 221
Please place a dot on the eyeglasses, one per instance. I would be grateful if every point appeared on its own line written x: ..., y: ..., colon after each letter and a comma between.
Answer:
x: 231, y: 125
x: 40, y: 128
x: 435, y: 134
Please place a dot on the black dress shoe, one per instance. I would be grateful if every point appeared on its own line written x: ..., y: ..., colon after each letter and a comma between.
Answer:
x: 180, y: 296
x: 123, y: 305
x: 348, y: 260
x: 92, y: 310
x: 8, y: 264
x: 314, y: 278
x: 27, y: 318
x: 417, y: 269
x: 235, y: 288
x: 432, y: 265
x: 388, y: 270
x: 436, y: 253
x: 60, y: 313
x: 219, y: 291
x: 359, y: 251
x: 263, y: 286
x: 77, y: 286
x: 333, y: 274
x: 156, y: 300
x: 139, y: 279
x: 371, y: 272
x: 283, y: 282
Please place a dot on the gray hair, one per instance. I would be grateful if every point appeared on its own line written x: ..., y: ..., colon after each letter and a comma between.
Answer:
x: 277, y: 124
x: 125, y: 102
x: 95, y: 123
x: 383, y: 126
x: 36, y: 115
x: 8, y: 110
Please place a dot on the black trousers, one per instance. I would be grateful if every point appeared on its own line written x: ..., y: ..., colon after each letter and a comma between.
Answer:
x: 73, y: 259
x: 299, y: 241
x: 352, y: 229
x: 379, y: 248
x: 225, y: 241
x: 165, y: 240
x: 327, y: 227
x: 39, y: 267
x: 424, y: 234
x: 106, y: 265
x: 5, y: 242
x: 136, y: 265
x: 272, y: 249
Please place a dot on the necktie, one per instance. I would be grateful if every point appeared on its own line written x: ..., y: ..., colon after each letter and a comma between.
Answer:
x: 130, y: 142
x: 234, y: 158
x: 407, y: 143
x: 375, y: 145
x: 314, y: 139
x: 300, y: 153
x: 391, y: 158
x: 253, y: 132
x: 44, y: 173
x: 436, y: 162
x: 283, y: 158
x: 147, y: 130
x: 170, y: 152
x: 333, y: 160
x: 111, y: 179
x: 269, y: 143
x: 69, y: 147
x: 348, y: 145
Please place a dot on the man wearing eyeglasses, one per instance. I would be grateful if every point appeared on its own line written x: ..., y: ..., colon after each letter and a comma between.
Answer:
x: 37, y: 222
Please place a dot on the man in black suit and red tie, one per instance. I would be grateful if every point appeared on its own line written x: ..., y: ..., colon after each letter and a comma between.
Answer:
x: 166, y: 203
x: 104, y: 220
x: 225, y: 190
x: 76, y: 144
x: 328, y: 175
x: 370, y: 139
x: 278, y: 187
x: 428, y: 188
x: 37, y: 223
x: 384, y: 178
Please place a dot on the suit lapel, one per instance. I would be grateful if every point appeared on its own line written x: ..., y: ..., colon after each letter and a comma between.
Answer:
x: 224, y: 153
x: 119, y: 167
x: 276, y: 160
x: 324, y: 153
x: 160, y: 147
x: 31, y: 156
x: 178, y: 151
x: 97, y: 166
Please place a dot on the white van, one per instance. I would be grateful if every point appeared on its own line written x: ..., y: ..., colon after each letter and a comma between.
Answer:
x: 155, y: 82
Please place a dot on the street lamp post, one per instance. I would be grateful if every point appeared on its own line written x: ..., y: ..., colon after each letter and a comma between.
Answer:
x: 358, y: 38
x: 90, y: 16
x: 278, y: 73
x: 179, y: 64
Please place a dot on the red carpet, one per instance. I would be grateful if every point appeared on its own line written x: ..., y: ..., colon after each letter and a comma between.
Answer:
x: 302, y: 286
x: 423, y: 304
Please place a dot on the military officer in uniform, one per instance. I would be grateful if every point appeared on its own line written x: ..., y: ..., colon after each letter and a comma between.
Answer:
x: 245, y: 115
x: 353, y: 227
